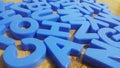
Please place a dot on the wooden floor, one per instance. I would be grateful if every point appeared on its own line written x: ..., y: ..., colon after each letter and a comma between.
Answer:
x: 115, y: 8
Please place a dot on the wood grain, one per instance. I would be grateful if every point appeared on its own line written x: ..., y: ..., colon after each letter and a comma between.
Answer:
x: 114, y: 5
